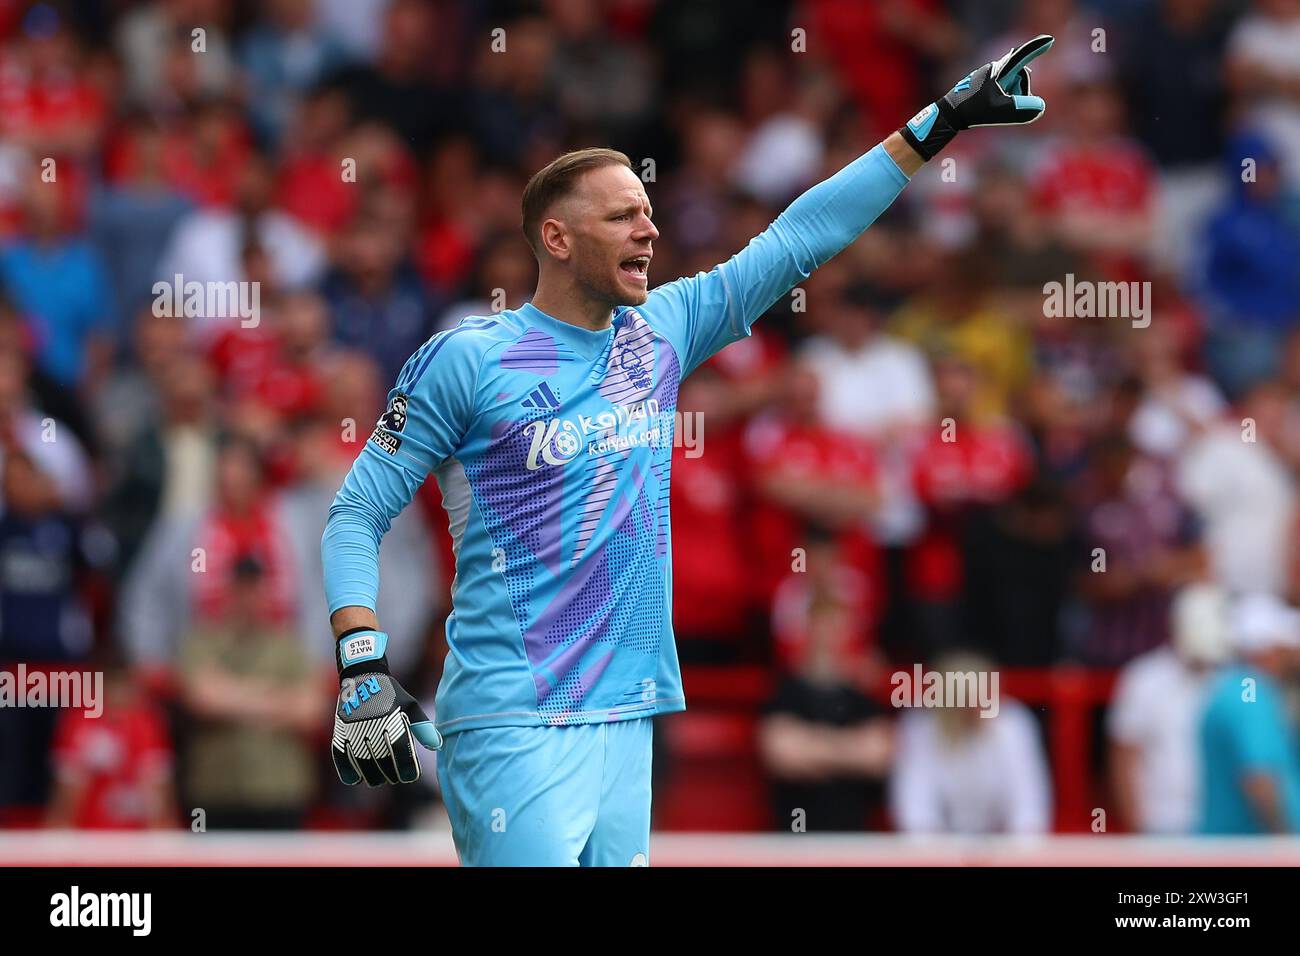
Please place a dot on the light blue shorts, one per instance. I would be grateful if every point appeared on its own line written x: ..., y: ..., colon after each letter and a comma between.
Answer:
x: 550, y: 796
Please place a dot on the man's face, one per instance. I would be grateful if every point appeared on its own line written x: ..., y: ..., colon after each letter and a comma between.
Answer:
x: 604, y: 233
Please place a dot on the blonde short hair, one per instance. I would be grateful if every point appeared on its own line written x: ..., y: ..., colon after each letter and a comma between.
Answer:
x: 556, y: 180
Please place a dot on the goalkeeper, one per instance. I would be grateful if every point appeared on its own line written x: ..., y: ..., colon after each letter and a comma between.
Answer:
x: 549, y: 429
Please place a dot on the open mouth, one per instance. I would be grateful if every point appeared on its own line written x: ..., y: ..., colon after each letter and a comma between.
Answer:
x: 636, y: 268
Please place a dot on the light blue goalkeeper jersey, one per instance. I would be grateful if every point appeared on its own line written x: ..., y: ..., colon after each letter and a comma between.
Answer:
x: 552, y: 444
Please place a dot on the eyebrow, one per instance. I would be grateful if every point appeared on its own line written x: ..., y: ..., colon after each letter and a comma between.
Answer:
x: 633, y: 207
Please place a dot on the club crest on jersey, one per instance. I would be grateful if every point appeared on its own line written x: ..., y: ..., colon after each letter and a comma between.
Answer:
x: 392, y: 421
x: 633, y: 366
x: 554, y: 442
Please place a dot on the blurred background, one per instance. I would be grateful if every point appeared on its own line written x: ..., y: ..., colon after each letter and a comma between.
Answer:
x: 164, y: 480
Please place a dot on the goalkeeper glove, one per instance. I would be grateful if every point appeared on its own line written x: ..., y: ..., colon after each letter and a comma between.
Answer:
x: 997, y: 94
x: 377, y: 722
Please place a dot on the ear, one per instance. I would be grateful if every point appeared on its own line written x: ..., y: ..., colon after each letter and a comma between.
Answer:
x: 555, y: 239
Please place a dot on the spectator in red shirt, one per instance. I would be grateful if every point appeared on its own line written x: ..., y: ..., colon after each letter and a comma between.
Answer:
x: 711, y: 590
x: 969, y: 463
x: 822, y: 574
x: 183, y: 573
x: 204, y: 154
x: 825, y: 741
x: 243, y: 522
x: 114, y: 771
x: 1097, y: 186
x: 311, y: 183
x: 273, y: 376
x: 47, y: 102
x: 450, y: 231
x: 876, y: 50
x: 802, y: 471
x: 970, y: 459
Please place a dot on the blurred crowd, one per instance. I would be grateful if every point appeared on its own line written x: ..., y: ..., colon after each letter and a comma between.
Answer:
x: 911, y: 460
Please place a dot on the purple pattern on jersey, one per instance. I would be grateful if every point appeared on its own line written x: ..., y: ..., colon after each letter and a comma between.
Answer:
x: 568, y: 697
x: 629, y: 378
x: 592, y: 674
x: 534, y: 352
x: 549, y: 535
x: 661, y: 473
x: 602, y: 479
x: 582, y: 602
x: 577, y: 635
x: 552, y: 627
x: 666, y: 395
x: 521, y: 503
x: 631, y: 371
x: 666, y: 388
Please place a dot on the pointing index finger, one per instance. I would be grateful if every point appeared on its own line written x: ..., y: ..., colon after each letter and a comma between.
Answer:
x: 1022, y: 56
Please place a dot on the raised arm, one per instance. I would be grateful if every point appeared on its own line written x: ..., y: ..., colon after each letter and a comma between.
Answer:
x: 701, y: 314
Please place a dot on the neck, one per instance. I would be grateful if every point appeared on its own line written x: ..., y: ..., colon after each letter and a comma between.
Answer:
x: 568, y: 302
x: 822, y: 667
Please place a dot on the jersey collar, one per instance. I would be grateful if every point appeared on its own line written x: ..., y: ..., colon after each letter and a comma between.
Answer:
x: 586, y: 342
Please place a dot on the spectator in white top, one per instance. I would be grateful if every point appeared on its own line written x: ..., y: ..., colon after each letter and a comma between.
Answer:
x: 209, y: 245
x: 1176, y: 405
x: 159, y: 53
x: 1238, y: 482
x: 358, y: 25
x: 957, y: 771
x: 1263, y: 69
x: 49, y: 445
x: 45, y: 491
x: 1154, y: 715
x: 873, y: 385
x: 784, y: 153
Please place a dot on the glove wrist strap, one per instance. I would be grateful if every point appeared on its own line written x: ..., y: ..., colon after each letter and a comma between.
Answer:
x: 361, y: 650
x: 930, y: 130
